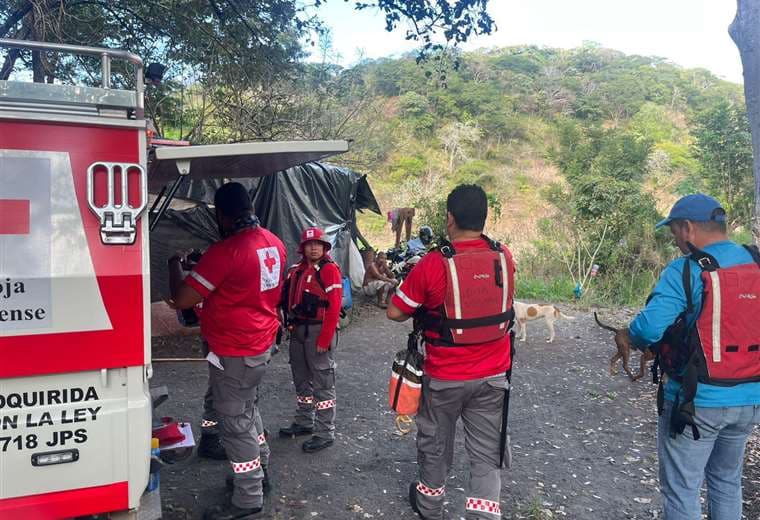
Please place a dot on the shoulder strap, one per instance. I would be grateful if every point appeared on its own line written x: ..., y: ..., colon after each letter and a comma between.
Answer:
x: 493, y: 244
x: 706, y: 261
x: 322, y: 263
x: 686, y: 277
x: 446, y: 248
x: 754, y: 252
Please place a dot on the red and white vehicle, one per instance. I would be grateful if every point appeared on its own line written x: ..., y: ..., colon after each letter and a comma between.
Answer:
x: 75, y: 357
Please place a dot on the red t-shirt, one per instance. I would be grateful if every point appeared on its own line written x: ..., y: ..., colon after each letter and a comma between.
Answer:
x: 425, y: 286
x: 240, y: 279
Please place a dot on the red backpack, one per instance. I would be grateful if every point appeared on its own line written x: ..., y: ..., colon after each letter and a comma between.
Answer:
x: 722, y: 347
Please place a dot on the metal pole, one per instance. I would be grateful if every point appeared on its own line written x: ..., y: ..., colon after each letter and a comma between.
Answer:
x: 105, y: 70
x: 105, y: 55
x: 158, y: 199
x: 167, y: 201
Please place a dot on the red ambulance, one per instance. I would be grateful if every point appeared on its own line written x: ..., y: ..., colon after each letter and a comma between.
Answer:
x: 75, y: 356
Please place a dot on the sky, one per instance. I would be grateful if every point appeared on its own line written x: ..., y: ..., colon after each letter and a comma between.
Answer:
x: 690, y: 33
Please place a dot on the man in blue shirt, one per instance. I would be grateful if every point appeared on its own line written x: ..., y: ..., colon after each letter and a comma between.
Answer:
x: 420, y: 244
x: 725, y: 415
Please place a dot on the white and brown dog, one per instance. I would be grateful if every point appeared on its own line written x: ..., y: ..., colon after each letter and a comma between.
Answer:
x: 525, y: 312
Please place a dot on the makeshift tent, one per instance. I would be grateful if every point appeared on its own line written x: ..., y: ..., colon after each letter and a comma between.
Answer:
x: 313, y: 194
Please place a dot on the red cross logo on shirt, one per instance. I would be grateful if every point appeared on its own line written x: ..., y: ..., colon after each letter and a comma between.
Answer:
x: 270, y: 262
x: 15, y: 217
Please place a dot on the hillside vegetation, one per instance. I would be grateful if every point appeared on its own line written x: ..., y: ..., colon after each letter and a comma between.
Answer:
x: 581, y: 151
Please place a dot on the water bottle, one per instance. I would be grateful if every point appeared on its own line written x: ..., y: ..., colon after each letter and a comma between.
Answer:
x: 155, y: 466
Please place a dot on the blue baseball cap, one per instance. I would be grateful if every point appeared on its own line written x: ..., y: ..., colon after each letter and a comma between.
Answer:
x: 697, y: 208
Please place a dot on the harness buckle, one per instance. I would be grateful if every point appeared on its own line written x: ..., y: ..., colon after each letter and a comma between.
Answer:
x: 447, y: 251
x: 704, y: 262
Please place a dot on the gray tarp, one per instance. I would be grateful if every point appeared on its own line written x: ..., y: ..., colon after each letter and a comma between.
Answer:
x: 287, y: 202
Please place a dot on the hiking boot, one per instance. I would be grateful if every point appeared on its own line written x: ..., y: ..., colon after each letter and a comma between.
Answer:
x: 316, y: 444
x: 265, y: 485
x: 210, y: 447
x: 295, y: 430
x: 230, y: 512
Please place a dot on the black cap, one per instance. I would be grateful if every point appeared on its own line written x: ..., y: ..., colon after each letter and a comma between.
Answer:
x: 232, y: 200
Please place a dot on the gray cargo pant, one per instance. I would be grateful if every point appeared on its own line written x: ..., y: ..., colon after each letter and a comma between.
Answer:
x: 234, y: 399
x: 314, y: 379
x: 479, y: 403
x: 210, y: 418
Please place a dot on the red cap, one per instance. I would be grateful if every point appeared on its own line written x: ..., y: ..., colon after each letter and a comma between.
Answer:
x: 313, y: 234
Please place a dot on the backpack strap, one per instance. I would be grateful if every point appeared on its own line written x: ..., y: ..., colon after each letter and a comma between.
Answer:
x: 754, y: 252
x: 321, y: 264
x: 446, y: 248
x: 704, y: 260
x: 493, y: 244
x: 686, y: 279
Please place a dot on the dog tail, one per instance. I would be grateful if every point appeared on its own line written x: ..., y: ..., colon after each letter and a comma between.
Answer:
x: 602, y: 325
x: 558, y: 313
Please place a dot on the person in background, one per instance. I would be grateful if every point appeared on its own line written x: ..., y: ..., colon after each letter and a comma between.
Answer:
x: 312, y: 299
x: 422, y: 242
x: 379, y: 281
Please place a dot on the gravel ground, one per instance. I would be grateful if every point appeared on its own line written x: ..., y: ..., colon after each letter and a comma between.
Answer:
x: 583, y: 441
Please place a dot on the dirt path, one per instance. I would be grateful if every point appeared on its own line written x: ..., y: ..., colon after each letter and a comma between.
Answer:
x: 583, y: 442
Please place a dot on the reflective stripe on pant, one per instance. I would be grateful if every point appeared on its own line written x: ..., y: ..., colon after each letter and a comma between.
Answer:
x: 234, y: 394
x: 314, y: 379
x: 479, y: 404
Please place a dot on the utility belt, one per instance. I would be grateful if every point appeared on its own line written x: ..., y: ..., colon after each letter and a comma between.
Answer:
x: 310, y: 306
x: 296, y: 321
x: 442, y: 326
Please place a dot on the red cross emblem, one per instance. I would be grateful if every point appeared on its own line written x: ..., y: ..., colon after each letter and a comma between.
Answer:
x: 15, y: 217
x: 270, y: 262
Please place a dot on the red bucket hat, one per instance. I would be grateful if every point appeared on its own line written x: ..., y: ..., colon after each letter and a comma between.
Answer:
x: 313, y: 234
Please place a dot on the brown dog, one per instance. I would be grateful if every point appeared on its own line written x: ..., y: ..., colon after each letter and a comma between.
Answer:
x: 623, y: 343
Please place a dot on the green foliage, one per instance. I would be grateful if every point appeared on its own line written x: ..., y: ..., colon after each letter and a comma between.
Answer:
x: 431, y: 211
x: 653, y: 123
x: 724, y: 148
x: 475, y: 171
x: 406, y: 167
x: 680, y: 157
x: 549, y: 289
x: 417, y: 113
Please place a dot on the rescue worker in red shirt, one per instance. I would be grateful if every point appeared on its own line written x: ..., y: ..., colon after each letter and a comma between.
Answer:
x: 239, y: 281
x: 461, y: 295
x: 312, y: 299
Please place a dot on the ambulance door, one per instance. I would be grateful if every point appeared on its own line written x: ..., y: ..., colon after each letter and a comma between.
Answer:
x: 74, y: 299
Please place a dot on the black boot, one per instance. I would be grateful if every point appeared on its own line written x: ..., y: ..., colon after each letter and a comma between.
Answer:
x: 413, y: 499
x: 296, y: 429
x: 316, y: 444
x: 230, y: 512
x: 210, y: 447
x: 265, y: 485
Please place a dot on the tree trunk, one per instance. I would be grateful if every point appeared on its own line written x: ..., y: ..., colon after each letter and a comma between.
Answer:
x: 745, y: 31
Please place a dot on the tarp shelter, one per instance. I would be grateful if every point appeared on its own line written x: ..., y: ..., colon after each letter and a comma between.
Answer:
x: 286, y: 202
